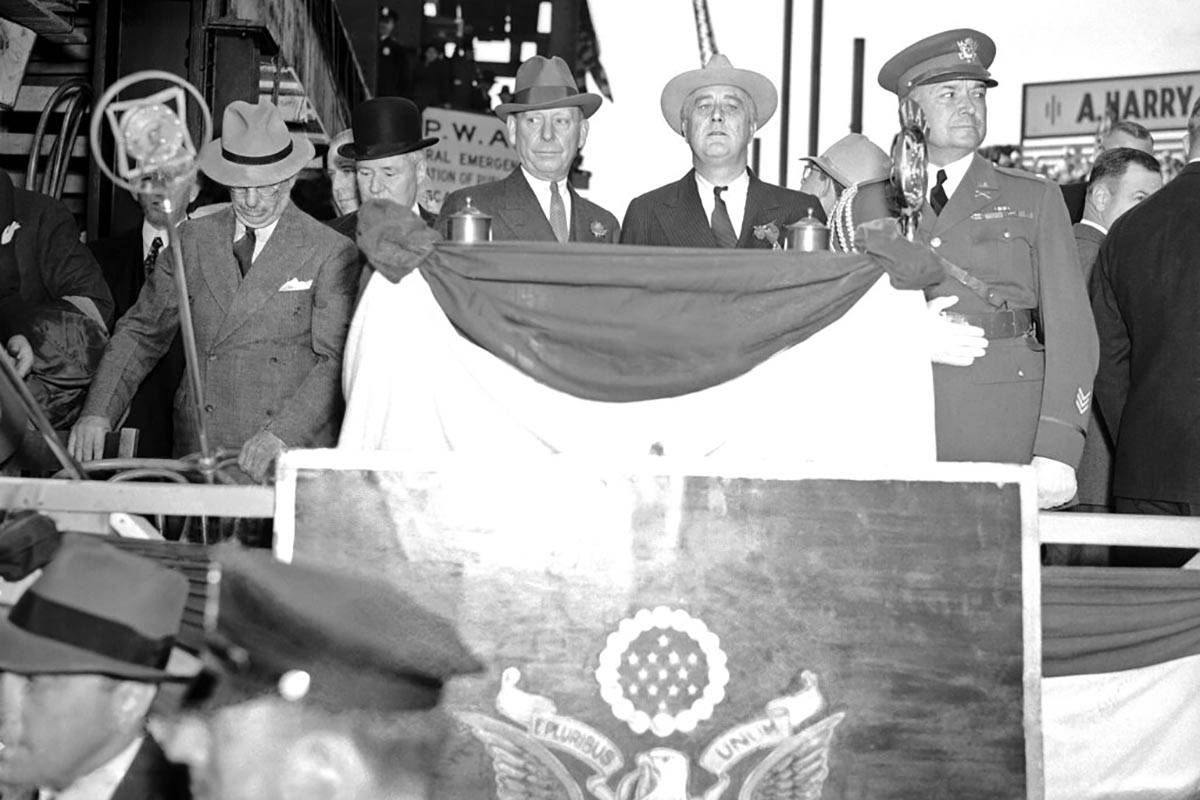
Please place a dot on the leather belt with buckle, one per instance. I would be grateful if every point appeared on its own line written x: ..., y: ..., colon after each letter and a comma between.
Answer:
x: 1010, y: 324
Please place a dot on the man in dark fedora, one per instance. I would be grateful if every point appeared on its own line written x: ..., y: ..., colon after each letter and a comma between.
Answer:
x: 389, y: 157
x: 320, y: 684
x: 82, y: 654
x: 720, y: 202
x: 547, y: 123
x: 272, y: 291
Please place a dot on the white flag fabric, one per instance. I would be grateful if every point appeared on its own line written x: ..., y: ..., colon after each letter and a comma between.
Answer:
x: 858, y: 390
x: 1120, y: 735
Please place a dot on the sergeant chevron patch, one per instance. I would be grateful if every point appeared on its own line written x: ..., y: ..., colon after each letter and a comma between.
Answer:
x: 1083, y: 400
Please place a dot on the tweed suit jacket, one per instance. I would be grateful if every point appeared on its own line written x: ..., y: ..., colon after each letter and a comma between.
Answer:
x: 1094, y: 475
x: 673, y: 216
x: 1146, y: 297
x: 517, y: 215
x: 270, y: 344
x: 1087, y: 243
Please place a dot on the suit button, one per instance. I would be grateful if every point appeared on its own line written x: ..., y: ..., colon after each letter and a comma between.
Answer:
x: 1008, y: 234
x: 274, y: 360
x: 270, y: 413
x: 212, y: 356
x: 208, y: 407
x: 935, y: 241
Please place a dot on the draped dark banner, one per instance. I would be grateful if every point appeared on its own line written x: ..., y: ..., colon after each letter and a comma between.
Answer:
x: 1099, y: 619
x: 624, y: 323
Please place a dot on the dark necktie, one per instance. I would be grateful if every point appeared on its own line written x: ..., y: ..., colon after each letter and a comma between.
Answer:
x: 558, y: 214
x: 152, y: 256
x: 722, y: 226
x: 243, y: 251
x: 937, y: 197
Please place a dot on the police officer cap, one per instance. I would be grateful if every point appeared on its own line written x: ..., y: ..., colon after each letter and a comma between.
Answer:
x: 323, y: 637
x: 962, y: 53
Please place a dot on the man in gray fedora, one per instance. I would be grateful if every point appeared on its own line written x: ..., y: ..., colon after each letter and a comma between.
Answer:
x: 82, y: 654
x: 719, y: 202
x: 548, y: 125
x: 272, y: 293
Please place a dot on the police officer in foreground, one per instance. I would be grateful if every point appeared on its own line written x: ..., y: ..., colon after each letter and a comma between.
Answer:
x: 319, y: 684
x: 1015, y: 352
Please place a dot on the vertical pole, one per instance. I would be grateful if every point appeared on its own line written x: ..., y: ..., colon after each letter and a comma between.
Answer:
x: 785, y: 105
x: 814, y: 107
x: 856, y: 89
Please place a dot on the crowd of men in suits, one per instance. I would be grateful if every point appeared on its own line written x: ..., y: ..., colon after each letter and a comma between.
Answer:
x: 1012, y: 336
x: 319, y: 684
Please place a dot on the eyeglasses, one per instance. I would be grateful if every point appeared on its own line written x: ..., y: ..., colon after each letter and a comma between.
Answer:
x: 268, y: 192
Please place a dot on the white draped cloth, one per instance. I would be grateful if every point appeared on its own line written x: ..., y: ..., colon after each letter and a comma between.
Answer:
x: 860, y: 389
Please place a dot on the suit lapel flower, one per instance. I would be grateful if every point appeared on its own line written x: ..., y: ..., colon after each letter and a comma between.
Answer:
x: 768, y: 232
x: 10, y: 232
x: 598, y: 230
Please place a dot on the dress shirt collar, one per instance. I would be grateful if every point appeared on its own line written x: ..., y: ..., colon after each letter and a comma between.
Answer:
x: 100, y: 783
x: 261, y: 235
x: 734, y: 197
x: 541, y: 190
x: 955, y: 172
x: 148, y: 234
x: 1095, y: 225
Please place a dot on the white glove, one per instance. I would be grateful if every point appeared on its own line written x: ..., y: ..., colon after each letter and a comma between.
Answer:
x: 955, y: 343
x: 1055, y: 482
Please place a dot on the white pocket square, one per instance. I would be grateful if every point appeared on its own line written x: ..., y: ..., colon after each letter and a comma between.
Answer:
x: 296, y: 285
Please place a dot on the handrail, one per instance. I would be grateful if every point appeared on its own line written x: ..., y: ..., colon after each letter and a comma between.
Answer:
x: 78, y: 97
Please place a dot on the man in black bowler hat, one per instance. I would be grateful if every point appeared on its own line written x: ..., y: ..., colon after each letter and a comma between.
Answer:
x: 1015, y: 349
x: 319, y: 684
x: 389, y: 156
x: 82, y: 654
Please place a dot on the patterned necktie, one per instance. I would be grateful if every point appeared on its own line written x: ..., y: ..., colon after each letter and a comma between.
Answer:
x: 937, y: 197
x: 152, y: 256
x: 558, y: 214
x: 243, y: 251
x: 722, y: 226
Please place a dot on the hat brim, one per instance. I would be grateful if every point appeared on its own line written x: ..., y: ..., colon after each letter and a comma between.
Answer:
x: 585, y: 102
x: 828, y: 168
x: 213, y: 163
x: 26, y: 653
x: 758, y: 86
x: 386, y: 150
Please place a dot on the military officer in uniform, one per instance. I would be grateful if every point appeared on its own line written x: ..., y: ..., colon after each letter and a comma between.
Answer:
x: 1016, y: 351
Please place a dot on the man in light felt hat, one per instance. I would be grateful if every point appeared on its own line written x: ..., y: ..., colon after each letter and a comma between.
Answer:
x: 272, y: 291
x: 1014, y: 347
x: 547, y: 123
x: 388, y: 152
x: 82, y: 654
x: 719, y: 202
x: 320, y: 684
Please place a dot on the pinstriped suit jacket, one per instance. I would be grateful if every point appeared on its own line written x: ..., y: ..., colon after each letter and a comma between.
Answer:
x: 673, y: 216
x: 269, y: 359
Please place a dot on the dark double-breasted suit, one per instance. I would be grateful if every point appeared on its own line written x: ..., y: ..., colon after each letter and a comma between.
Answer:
x: 1146, y: 298
x: 673, y: 216
x: 517, y: 215
x: 1009, y: 229
x: 270, y: 344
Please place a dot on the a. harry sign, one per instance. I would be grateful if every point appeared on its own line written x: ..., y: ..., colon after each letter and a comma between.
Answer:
x: 473, y: 149
x: 1074, y: 108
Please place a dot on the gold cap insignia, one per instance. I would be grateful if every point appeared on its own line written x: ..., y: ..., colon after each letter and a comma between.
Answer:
x: 968, y: 49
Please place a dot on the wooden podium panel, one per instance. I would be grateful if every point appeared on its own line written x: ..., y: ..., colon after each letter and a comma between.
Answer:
x: 664, y: 631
